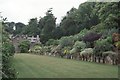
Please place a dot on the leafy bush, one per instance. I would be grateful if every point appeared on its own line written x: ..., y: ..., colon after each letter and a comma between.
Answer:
x: 66, y: 50
x: 109, y: 53
x: 103, y: 45
x: 107, y: 32
x: 58, y: 47
x: 24, y: 46
x: 37, y: 49
x: 99, y: 27
x: 8, y: 47
x: 52, y: 42
x: 79, y: 36
x: 117, y: 44
x: 116, y: 37
x: 73, y: 51
x: 91, y: 37
x: 46, y: 49
x: 112, y: 55
x: 66, y: 41
x: 79, y: 45
x: 7, y: 51
x: 87, y: 51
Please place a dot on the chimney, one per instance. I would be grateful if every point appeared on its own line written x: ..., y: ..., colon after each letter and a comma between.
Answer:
x: 38, y: 39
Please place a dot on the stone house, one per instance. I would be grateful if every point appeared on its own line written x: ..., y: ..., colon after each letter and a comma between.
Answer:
x: 17, y: 39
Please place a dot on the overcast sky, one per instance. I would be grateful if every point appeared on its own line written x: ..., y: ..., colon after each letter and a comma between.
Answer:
x: 23, y: 10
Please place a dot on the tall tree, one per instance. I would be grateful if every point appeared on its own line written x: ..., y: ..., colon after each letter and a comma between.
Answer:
x: 33, y: 27
x: 9, y: 27
x: 48, y: 24
x: 69, y: 24
x: 19, y: 28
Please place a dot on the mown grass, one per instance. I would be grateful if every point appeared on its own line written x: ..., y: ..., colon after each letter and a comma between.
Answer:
x: 34, y: 66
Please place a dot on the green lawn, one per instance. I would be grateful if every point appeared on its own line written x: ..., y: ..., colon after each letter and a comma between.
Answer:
x: 34, y: 66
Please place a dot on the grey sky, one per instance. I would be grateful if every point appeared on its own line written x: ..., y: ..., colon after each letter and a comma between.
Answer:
x: 23, y: 10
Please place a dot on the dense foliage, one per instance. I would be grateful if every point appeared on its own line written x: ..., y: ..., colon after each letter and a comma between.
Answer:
x: 37, y: 49
x: 96, y: 16
x: 88, y: 33
x: 8, y: 51
x: 79, y: 45
x: 84, y: 33
x: 24, y: 46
